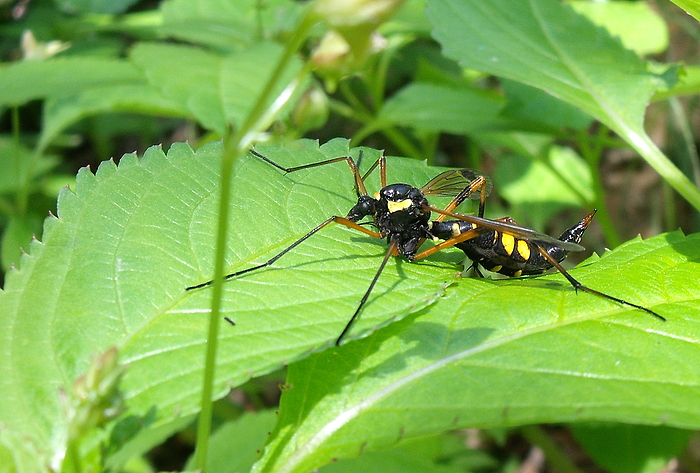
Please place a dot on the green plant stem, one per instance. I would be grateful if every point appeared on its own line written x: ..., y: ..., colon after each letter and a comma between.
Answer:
x: 235, y: 144
x: 680, y: 118
x: 377, y: 86
x: 6, y: 208
x: 22, y: 193
x: 592, y: 153
x: 73, y: 456
x: 351, y: 98
x: 205, y: 416
x: 641, y: 142
x: 361, y: 113
x: 555, y: 457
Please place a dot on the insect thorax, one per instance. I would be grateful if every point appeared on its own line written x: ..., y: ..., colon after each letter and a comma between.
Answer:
x: 401, y: 216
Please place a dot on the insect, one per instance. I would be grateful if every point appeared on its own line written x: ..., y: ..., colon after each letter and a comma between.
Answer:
x: 401, y: 214
x: 507, y: 254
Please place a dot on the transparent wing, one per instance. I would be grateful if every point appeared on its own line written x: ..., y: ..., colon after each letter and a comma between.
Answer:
x: 451, y: 183
x: 517, y: 231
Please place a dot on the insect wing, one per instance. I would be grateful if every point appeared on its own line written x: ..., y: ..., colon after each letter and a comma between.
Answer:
x: 451, y: 183
x: 528, y: 234
x: 522, y: 233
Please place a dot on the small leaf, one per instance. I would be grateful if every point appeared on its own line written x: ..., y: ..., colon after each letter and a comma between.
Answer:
x: 437, y: 108
x: 216, y: 89
x: 16, y: 236
x: 30, y: 80
x: 621, y: 448
x: 62, y: 112
x: 20, y: 167
x: 245, y: 436
x: 224, y: 24
x: 95, y: 6
x: 519, y: 181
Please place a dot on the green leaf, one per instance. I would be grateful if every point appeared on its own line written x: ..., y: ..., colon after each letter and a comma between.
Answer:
x: 519, y: 181
x: 691, y: 6
x: 424, y: 455
x: 527, y: 104
x: 544, y: 43
x: 688, y: 84
x: 62, y: 112
x: 20, y: 167
x: 623, y: 448
x: 95, y: 6
x: 245, y: 436
x: 224, y: 24
x: 113, y: 267
x: 433, y: 107
x: 18, y: 456
x: 16, y: 235
x: 637, y: 25
x: 505, y: 353
x: 216, y: 89
x: 30, y: 80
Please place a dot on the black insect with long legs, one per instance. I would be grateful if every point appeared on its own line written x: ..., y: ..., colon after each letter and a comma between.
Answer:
x: 402, y: 215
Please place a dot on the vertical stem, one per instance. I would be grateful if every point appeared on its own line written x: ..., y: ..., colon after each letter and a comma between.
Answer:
x: 235, y: 144
x: 205, y: 417
x: 592, y: 155
x: 22, y: 192
x: 556, y: 458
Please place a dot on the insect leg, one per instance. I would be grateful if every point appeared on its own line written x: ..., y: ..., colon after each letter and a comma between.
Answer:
x: 577, y: 285
x: 334, y: 219
x: 381, y: 162
x: 451, y: 242
x: 478, y: 184
x: 390, y: 251
x: 360, y: 188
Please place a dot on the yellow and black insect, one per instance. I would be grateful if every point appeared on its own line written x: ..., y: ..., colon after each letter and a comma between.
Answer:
x: 402, y: 214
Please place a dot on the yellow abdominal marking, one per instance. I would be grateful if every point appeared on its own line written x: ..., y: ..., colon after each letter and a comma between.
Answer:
x: 508, y: 242
x: 455, y: 230
x: 400, y: 205
x: 524, y: 249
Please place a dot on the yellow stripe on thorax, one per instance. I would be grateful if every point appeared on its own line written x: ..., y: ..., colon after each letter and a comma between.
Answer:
x: 400, y: 205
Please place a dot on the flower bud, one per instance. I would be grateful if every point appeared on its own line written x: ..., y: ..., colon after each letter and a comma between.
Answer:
x: 311, y: 110
x: 96, y: 395
x: 353, y: 13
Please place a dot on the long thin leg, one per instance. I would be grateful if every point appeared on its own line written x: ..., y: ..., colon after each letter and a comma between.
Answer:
x: 577, y: 285
x: 359, y: 182
x: 382, y: 170
x: 381, y: 162
x: 479, y: 184
x: 390, y: 251
x: 336, y: 219
x: 451, y: 242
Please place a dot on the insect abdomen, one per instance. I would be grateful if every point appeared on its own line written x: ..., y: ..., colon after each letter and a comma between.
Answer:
x: 503, y: 253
